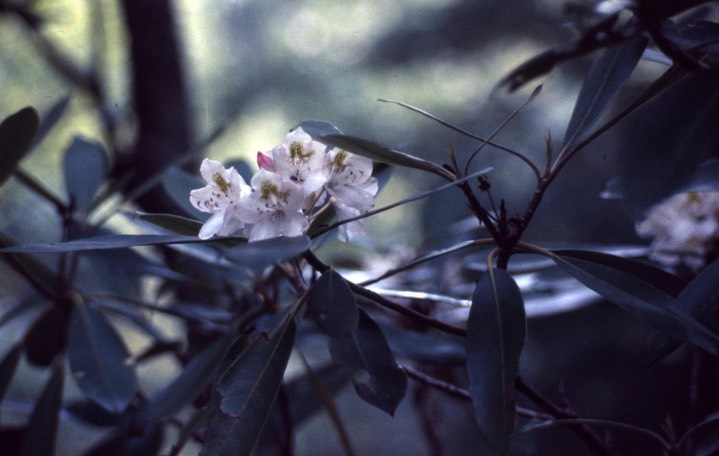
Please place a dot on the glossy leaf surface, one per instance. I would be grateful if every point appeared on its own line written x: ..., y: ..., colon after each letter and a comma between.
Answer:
x: 605, y: 77
x: 333, y: 304
x: 496, y: 331
x: 247, y: 392
x: 367, y: 349
x: 640, y: 298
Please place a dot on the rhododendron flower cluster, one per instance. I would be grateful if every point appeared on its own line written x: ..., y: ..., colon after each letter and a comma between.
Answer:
x: 297, y: 180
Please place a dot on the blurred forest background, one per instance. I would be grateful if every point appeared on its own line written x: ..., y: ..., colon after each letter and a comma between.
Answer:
x: 151, y: 80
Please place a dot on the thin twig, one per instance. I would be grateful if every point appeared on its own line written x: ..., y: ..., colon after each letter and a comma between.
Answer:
x: 461, y: 393
x: 329, y: 404
x: 583, y: 431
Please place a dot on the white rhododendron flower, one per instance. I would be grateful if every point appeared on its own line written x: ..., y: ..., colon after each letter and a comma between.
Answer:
x: 274, y: 208
x: 685, y: 230
x: 219, y: 197
x: 301, y: 160
x: 351, y: 187
x: 297, y: 180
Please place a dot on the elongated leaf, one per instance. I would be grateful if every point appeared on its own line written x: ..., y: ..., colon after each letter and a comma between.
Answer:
x: 185, y: 386
x: 701, y: 296
x: 496, y: 330
x: 700, y: 299
x: 99, y: 359
x: 605, y: 77
x: 333, y: 304
x: 654, y: 276
x: 42, y: 429
x: 85, y: 169
x: 382, y: 154
x: 643, y: 300
x: 366, y: 348
x: 172, y: 223
x: 104, y: 242
x: 16, y: 135
x: 255, y: 255
x: 247, y: 391
x: 317, y: 128
x: 7, y: 368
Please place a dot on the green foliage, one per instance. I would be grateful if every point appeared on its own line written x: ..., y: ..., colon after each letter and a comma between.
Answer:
x: 16, y: 136
x: 496, y: 330
x: 432, y: 331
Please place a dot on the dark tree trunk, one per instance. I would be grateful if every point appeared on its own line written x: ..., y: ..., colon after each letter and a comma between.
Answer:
x: 159, y: 97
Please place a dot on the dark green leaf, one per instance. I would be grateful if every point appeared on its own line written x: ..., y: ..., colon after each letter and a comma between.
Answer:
x: 699, y: 299
x: 643, y: 300
x: 366, y: 348
x: 254, y: 255
x: 178, y: 184
x: 659, y: 278
x: 7, y: 368
x: 247, y: 391
x: 592, y: 39
x: 317, y: 128
x: 16, y: 135
x: 104, y: 242
x: 185, y: 386
x: 496, y: 329
x: 333, y: 304
x: 47, y: 336
x: 605, y: 77
x: 42, y: 429
x: 172, y: 223
x: 85, y: 169
x: 382, y: 154
x: 252, y: 380
x: 99, y: 360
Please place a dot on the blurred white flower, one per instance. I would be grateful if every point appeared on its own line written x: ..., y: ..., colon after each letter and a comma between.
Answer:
x: 219, y: 197
x: 274, y: 208
x: 609, y: 7
x: 684, y: 228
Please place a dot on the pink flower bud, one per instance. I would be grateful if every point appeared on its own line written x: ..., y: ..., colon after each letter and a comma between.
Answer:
x: 265, y: 162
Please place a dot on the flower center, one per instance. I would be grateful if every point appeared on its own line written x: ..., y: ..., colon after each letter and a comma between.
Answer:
x: 221, y: 183
x: 297, y: 151
x: 270, y: 189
